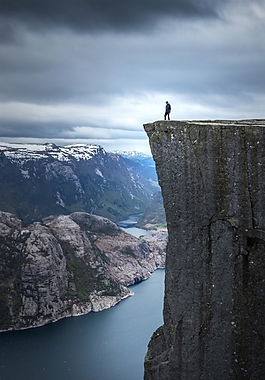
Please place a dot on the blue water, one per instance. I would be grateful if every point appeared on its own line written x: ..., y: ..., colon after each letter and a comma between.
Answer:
x: 130, y: 222
x: 109, y: 345
x: 128, y: 225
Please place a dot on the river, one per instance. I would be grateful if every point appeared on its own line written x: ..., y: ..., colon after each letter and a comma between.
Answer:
x: 128, y: 225
x: 109, y: 345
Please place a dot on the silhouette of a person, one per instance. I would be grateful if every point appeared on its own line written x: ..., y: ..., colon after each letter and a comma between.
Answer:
x: 168, y: 110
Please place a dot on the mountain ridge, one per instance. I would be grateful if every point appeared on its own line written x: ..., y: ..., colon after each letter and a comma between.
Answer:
x: 37, y: 180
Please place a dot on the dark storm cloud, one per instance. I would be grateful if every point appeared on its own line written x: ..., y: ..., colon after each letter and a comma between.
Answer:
x: 24, y: 129
x: 100, y: 69
x: 197, y: 59
x: 59, y: 130
x: 98, y: 14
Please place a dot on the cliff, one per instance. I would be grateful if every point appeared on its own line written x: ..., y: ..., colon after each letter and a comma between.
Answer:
x: 68, y: 265
x: 212, y: 176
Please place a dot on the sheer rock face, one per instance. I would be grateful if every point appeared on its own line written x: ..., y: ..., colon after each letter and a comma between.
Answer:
x: 68, y: 265
x: 212, y: 175
x: 43, y: 275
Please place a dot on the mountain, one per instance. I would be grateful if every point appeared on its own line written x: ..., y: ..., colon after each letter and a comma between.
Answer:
x: 142, y: 163
x: 154, y: 214
x: 132, y: 154
x: 40, y: 180
x: 68, y: 265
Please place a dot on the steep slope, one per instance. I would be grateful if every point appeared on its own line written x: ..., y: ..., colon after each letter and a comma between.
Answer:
x: 140, y: 162
x: 40, y: 180
x: 68, y: 265
x: 212, y: 176
x: 154, y: 214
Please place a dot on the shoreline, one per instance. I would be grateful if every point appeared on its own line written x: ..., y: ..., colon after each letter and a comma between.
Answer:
x: 92, y: 308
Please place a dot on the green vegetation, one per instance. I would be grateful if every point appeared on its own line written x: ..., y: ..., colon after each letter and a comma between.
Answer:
x: 154, y: 213
x: 84, y: 279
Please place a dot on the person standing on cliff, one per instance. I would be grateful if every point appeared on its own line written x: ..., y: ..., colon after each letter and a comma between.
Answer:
x: 168, y: 110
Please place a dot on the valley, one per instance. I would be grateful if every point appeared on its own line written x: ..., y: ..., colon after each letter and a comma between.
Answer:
x: 62, y: 251
x: 41, y: 180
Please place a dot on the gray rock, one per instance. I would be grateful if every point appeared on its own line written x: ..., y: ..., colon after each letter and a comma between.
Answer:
x: 43, y: 276
x: 212, y: 175
x: 67, y: 266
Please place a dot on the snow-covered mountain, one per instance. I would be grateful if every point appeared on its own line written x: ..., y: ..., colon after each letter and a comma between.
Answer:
x: 28, y: 152
x: 39, y: 180
x: 132, y: 154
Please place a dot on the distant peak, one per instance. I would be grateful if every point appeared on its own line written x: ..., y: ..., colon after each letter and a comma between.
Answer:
x: 62, y: 153
x: 130, y: 153
x: 51, y: 146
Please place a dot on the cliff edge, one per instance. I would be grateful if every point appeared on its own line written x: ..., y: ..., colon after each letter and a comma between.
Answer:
x: 212, y: 176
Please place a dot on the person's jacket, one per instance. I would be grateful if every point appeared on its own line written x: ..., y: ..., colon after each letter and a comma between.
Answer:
x: 168, y: 108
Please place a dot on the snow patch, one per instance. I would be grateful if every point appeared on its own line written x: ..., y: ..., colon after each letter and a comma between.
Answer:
x: 98, y: 172
x: 35, y: 152
x: 25, y: 173
x: 131, y: 153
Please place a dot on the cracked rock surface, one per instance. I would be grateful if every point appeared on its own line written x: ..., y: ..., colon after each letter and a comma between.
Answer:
x: 212, y: 176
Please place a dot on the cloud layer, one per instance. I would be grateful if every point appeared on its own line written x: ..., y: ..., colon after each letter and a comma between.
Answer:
x: 97, y: 70
x: 86, y: 15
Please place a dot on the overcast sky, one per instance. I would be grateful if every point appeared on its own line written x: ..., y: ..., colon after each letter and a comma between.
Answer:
x: 94, y: 71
